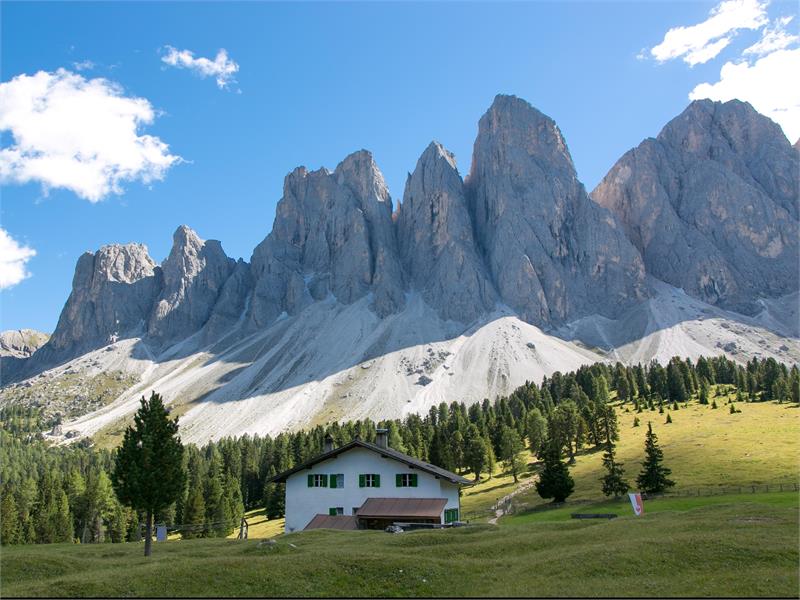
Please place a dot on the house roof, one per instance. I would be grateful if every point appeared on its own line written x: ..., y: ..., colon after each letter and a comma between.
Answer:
x: 412, y: 462
x: 407, y: 508
x: 343, y: 522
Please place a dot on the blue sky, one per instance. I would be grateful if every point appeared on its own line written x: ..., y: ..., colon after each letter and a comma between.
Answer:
x: 316, y: 82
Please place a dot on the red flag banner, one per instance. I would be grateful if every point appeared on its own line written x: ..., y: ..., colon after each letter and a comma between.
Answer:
x: 638, y: 505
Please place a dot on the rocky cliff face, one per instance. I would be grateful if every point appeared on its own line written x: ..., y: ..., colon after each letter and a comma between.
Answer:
x: 113, y: 291
x: 712, y: 204
x: 436, y: 241
x: 332, y: 234
x: 553, y: 254
x: 194, y: 274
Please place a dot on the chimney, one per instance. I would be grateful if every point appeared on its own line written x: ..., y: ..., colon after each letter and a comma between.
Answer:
x: 382, y: 438
x: 328, y: 443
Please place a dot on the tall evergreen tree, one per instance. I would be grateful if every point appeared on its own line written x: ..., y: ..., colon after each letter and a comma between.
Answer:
x: 554, y: 481
x: 148, y: 470
x: 512, y: 448
x: 654, y: 477
x: 614, y: 482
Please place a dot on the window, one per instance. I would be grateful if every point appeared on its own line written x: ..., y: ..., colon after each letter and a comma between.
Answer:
x: 317, y: 480
x: 336, y: 480
x: 451, y: 515
x: 355, y: 510
x: 406, y: 480
x: 369, y: 480
x: 335, y: 510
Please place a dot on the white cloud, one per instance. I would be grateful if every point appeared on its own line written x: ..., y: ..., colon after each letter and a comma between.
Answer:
x: 83, y: 65
x: 773, y: 38
x: 222, y: 68
x: 78, y: 134
x: 697, y: 44
x: 767, y: 84
x: 13, y: 259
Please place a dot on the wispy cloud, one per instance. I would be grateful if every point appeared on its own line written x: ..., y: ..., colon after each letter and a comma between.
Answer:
x: 79, y: 134
x: 773, y: 38
x: 13, y: 260
x: 83, y: 65
x: 222, y: 68
x: 697, y: 44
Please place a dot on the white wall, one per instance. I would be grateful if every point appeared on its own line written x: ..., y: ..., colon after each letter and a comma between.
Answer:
x: 303, y: 502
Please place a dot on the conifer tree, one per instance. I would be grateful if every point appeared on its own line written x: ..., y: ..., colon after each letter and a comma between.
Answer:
x: 194, y: 512
x: 554, y: 481
x: 475, y: 454
x: 512, y: 447
x: 654, y: 476
x: 148, y: 470
x: 614, y: 482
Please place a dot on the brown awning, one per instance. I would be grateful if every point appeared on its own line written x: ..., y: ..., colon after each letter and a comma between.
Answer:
x: 407, y: 508
x: 344, y: 522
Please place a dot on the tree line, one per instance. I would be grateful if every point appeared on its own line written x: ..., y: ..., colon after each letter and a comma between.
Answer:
x: 70, y: 493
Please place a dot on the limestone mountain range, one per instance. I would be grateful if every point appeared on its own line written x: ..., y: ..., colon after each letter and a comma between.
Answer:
x: 351, y: 307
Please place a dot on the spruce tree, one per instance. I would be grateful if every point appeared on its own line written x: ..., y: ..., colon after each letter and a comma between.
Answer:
x: 614, y: 482
x: 554, y: 481
x: 654, y: 476
x: 148, y: 471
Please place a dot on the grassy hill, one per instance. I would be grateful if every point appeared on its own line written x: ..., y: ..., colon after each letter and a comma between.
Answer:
x: 735, y: 549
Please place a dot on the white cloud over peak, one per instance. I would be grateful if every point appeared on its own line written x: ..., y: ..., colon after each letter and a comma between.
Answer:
x: 222, y: 68
x: 767, y: 84
x: 773, y: 38
x: 13, y: 259
x: 78, y: 134
x: 697, y: 44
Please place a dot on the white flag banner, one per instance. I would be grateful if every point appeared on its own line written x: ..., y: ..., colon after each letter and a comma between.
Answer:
x: 638, y: 505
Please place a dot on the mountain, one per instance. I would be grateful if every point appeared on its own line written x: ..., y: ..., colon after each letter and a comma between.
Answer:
x: 712, y: 204
x: 352, y: 308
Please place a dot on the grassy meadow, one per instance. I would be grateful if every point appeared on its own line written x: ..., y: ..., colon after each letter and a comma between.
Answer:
x: 733, y: 549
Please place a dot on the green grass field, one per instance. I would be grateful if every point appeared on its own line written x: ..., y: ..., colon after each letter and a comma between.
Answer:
x: 734, y: 549
x: 707, y: 449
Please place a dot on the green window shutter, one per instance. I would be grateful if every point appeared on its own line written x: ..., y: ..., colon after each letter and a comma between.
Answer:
x: 398, y: 480
x: 310, y: 481
x: 324, y: 480
x: 332, y: 479
x: 377, y: 480
x: 361, y: 481
x: 332, y: 512
x: 413, y: 480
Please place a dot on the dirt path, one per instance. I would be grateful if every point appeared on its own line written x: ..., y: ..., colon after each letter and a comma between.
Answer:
x: 501, y: 506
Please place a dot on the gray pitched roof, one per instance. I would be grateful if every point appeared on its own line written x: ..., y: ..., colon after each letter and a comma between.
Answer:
x: 412, y: 462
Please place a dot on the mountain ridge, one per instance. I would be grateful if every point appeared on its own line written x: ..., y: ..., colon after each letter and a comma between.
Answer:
x: 468, y: 278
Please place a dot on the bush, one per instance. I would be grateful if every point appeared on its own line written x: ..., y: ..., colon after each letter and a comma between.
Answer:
x: 636, y: 421
x: 669, y: 419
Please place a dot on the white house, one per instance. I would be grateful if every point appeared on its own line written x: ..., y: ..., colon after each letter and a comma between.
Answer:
x: 367, y: 486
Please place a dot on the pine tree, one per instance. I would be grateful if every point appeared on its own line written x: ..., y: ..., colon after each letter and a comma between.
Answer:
x: 9, y: 519
x: 194, y: 512
x: 148, y: 470
x: 554, y: 481
x: 475, y: 454
x: 669, y: 418
x: 512, y: 448
x: 536, y: 430
x: 654, y: 476
x: 636, y: 421
x: 613, y: 481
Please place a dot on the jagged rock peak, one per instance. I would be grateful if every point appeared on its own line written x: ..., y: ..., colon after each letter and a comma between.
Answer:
x: 436, y: 241
x: 514, y: 125
x: 712, y: 204
x: 193, y: 276
x: 112, y: 294
x: 552, y: 253
x: 333, y: 234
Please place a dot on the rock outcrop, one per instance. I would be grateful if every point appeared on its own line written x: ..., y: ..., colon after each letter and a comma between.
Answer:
x: 113, y: 291
x: 194, y: 274
x: 333, y: 234
x: 552, y: 252
x: 712, y: 204
x: 21, y: 343
x: 436, y: 242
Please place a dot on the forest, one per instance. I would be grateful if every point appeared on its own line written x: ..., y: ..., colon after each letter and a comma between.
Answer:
x: 64, y: 493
